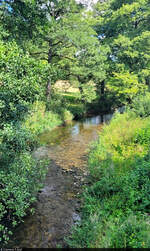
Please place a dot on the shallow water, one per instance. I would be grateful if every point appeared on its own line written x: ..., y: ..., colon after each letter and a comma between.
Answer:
x: 57, y: 207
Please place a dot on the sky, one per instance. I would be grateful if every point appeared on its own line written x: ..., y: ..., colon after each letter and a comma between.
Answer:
x: 88, y: 2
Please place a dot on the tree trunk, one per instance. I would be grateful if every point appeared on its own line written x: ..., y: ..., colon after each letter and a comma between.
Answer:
x: 102, y: 96
x: 48, y: 87
x: 102, y: 118
x: 102, y: 88
x: 80, y: 89
x: 50, y: 53
x: 48, y: 91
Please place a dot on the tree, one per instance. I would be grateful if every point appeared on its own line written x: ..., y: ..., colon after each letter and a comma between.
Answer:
x: 65, y: 39
x: 124, y: 26
x: 21, y: 82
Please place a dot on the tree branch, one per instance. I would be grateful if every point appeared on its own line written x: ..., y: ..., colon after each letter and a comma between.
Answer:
x: 66, y: 57
x: 38, y: 53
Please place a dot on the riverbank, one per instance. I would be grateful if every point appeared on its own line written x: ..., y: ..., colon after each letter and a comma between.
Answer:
x: 40, y: 120
x: 115, y: 210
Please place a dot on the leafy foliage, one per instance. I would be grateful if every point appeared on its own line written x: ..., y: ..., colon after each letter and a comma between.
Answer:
x: 125, y: 86
x: 141, y: 105
x: 107, y: 51
x: 20, y: 177
x: 39, y: 120
x: 123, y: 26
x: 21, y: 83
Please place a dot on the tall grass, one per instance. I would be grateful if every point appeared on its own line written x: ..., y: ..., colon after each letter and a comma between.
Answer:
x: 115, y: 212
x: 40, y: 120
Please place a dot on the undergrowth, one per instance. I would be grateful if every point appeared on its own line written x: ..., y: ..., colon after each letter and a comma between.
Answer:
x: 40, y: 120
x: 21, y: 177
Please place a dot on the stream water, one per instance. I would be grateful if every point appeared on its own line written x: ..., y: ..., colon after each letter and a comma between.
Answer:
x: 58, y: 204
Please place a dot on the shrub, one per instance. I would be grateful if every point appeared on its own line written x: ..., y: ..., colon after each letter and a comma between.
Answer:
x: 22, y: 81
x: 57, y: 103
x: 40, y: 120
x: 66, y: 115
x: 78, y: 110
x: 20, y: 177
x: 141, y: 105
x: 17, y: 139
x: 19, y: 183
x: 143, y: 136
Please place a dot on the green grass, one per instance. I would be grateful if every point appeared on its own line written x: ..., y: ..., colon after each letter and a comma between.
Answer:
x: 64, y: 107
x: 74, y: 104
x: 115, y: 212
x: 75, y: 95
x: 39, y: 120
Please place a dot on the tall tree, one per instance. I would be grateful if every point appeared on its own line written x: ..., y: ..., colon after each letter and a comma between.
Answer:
x: 64, y: 38
x: 124, y: 26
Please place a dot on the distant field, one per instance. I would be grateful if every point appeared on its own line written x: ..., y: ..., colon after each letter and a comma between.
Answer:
x: 65, y: 86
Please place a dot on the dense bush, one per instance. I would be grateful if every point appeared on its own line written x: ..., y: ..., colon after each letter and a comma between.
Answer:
x: 78, y: 110
x: 22, y: 81
x: 116, y: 205
x: 40, y: 120
x: 141, y: 105
x: 67, y: 105
x: 20, y: 177
x: 66, y: 115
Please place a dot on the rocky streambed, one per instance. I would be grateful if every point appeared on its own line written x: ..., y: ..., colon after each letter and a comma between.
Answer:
x: 58, y: 204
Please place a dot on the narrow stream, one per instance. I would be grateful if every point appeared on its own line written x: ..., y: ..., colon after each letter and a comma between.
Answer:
x: 57, y: 207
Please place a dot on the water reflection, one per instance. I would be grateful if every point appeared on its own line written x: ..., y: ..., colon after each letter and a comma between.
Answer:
x: 93, y: 121
x: 90, y: 122
x: 60, y: 134
x: 75, y: 129
x: 97, y: 120
x: 67, y: 144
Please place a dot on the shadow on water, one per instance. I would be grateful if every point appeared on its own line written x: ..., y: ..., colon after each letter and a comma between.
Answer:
x: 57, y: 206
